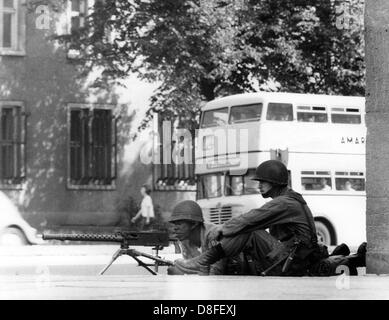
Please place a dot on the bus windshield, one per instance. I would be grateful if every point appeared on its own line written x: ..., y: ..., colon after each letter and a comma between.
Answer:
x: 210, y: 185
x: 213, y: 185
x: 244, y: 113
x: 240, y: 185
x: 214, y: 118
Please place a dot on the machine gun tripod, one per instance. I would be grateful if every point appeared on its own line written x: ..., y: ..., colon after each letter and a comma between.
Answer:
x: 125, y: 250
x: 158, y: 240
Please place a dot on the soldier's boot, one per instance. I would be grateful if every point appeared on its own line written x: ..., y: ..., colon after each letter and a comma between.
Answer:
x: 359, y: 259
x: 200, y: 264
x: 341, y: 250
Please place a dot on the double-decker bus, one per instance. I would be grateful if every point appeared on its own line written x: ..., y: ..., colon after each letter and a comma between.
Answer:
x: 320, y: 138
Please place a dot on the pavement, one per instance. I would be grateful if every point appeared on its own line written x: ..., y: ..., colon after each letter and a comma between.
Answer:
x: 70, y: 272
x: 163, y: 287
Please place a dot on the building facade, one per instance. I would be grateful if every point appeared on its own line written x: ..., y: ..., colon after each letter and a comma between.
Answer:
x: 66, y: 153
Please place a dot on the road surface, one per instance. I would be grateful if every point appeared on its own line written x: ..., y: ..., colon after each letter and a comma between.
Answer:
x: 70, y: 272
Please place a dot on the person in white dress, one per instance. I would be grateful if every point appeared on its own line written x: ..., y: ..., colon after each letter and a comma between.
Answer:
x: 146, y: 212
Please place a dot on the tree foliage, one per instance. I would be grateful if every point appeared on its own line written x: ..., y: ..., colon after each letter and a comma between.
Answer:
x: 202, y: 49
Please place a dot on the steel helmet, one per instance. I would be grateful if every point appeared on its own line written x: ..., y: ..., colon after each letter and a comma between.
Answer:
x: 273, y: 171
x: 187, y: 210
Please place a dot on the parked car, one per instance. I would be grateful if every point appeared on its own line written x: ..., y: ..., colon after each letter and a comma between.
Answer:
x: 14, y: 230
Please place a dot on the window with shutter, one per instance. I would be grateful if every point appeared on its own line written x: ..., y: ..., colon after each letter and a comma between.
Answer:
x: 12, y: 145
x: 92, y: 147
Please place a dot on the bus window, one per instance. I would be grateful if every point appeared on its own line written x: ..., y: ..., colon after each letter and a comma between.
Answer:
x: 314, y: 114
x: 346, y: 115
x: 213, y: 118
x: 316, y: 182
x: 210, y: 186
x: 346, y: 184
x: 249, y: 112
x: 235, y: 186
x: 279, y: 112
x: 240, y: 185
x: 353, y: 181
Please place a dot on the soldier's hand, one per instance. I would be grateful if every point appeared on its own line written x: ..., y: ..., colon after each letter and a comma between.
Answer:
x: 217, y: 233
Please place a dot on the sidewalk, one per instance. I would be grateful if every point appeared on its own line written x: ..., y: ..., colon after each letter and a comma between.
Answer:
x: 69, y: 272
x: 193, y: 287
x: 70, y: 254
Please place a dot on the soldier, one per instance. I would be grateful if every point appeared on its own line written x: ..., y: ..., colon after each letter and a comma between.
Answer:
x: 291, y: 233
x: 194, y: 235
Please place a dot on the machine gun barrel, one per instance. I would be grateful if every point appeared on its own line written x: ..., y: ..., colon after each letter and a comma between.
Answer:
x: 134, y: 238
x: 83, y: 237
x: 156, y: 239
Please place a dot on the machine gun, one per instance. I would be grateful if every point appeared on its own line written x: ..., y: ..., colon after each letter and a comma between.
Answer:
x: 158, y: 240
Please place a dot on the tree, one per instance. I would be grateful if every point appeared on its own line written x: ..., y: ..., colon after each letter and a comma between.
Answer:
x: 201, y: 49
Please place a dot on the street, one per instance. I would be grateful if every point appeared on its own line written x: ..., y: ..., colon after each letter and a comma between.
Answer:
x: 72, y: 260
x: 71, y: 272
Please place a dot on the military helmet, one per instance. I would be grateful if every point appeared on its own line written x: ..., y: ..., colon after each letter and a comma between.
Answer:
x: 187, y: 210
x: 273, y: 171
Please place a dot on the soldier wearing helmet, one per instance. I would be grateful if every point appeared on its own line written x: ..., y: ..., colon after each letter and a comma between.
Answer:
x: 290, y: 224
x: 193, y: 234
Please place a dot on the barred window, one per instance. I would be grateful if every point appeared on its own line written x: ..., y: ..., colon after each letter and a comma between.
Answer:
x: 92, y: 151
x: 12, y: 145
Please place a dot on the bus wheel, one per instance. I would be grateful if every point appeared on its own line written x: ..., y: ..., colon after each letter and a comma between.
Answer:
x: 323, y: 233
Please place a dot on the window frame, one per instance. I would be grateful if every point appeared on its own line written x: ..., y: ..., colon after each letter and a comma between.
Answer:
x: 71, y: 14
x: 74, y: 54
x: 213, y: 110
x: 283, y: 103
x: 349, y: 176
x: 325, y: 111
x: 221, y: 174
x: 22, y: 144
x: 333, y: 174
x: 332, y: 112
x: 91, y: 108
x: 229, y: 121
x: 227, y: 183
x: 318, y: 174
x: 18, y: 28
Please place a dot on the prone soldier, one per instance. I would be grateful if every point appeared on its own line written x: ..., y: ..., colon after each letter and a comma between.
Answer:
x: 195, y: 237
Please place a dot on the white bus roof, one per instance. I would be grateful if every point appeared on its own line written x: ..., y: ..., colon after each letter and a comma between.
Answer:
x: 284, y: 97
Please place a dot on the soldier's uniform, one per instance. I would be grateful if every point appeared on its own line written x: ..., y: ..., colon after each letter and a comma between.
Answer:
x: 288, y: 218
x: 290, y: 224
x: 190, y: 211
x: 208, y: 235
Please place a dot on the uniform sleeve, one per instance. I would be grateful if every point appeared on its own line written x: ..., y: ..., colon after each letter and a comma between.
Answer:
x: 269, y: 214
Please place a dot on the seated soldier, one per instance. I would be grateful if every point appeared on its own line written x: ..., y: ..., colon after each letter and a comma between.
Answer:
x: 194, y: 236
x: 290, y: 247
x: 291, y: 229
